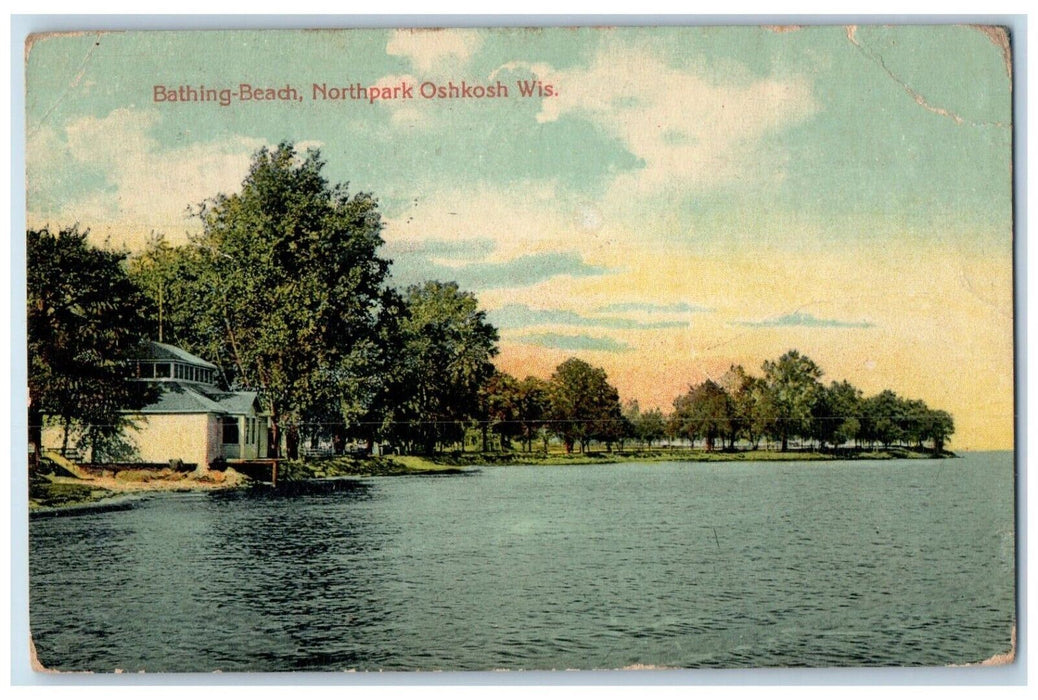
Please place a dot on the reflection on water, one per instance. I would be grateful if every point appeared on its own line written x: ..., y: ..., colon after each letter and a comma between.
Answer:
x: 603, y: 566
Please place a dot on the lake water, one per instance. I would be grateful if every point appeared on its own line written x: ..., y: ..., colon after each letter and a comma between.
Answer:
x: 576, y: 567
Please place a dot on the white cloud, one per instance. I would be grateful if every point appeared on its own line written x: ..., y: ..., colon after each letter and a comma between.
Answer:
x: 148, y: 187
x: 427, y: 48
x: 304, y: 146
x: 691, y: 131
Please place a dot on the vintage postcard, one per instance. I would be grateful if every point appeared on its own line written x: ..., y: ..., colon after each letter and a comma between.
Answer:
x: 527, y: 349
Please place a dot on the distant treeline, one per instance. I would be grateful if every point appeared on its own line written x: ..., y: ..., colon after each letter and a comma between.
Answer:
x: 285, y: 291
x: 787, y: 403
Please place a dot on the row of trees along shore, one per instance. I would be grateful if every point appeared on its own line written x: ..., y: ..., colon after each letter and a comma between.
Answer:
x: 286, y: 292
x: 787, y: 403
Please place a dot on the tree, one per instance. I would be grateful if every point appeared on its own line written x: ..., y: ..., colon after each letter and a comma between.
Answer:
x: 583, y: 404
x: 646, y: 426
x: 884, y: 418
x: 705, y: 411
x: 533, y: 405
x: 612, y: 427
x: 914, y: 417
x: 678, y: 425
x: 939, y: 427
x: 836, y: 414
x: 84, y: 323
x: 284, y: 290
x: 742, y: 394
x: 499, y: 407
x: 446, y: 355
x: 168, y: 277
x: 754, y: 410
x: 650, y: 427
x: 792, y: 385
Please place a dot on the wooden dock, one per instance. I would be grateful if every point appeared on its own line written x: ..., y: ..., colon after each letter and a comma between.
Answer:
x: 265, y: 470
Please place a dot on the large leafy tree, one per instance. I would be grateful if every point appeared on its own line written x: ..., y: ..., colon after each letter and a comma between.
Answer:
x: 513, y: 409
x: 174, y: 281
x: 938, y: 427
x: 447, y: 346
x: 836, y: 414
x: 743, y: 405
x: 85, y: 321
x: 704, y: 411
x: 374, y: 398
x: 884, y: 416
x: 284, y: 290
x: 499, y: 408
x: 584, y: 405
x: 792, y: 386
x: 532, y: 406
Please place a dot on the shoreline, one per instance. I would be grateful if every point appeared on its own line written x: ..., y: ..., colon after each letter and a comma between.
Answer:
x: 662, y: 455
x: 56, y: 492
x: 54, y: 495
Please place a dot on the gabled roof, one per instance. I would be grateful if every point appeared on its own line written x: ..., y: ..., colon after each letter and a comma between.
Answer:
x: 162, y: 351
x: 177, y: 397
x: 181, y: 397
x: 236, y: 402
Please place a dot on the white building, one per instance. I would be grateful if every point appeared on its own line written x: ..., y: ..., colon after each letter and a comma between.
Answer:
x: 192, y: 420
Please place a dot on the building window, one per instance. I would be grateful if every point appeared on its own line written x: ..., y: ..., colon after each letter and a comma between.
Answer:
x: 230, y: 430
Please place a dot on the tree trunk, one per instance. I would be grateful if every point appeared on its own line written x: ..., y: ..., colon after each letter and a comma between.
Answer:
x: 36, y: 435
x: 338, y: 438
x: 292, y: 442
x: 64, y: 435
x: 275, y: 435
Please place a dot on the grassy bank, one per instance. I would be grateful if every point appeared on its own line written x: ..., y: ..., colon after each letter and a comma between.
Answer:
x: 467, y: 459
x: 345, y: 465
x: 47, y: 494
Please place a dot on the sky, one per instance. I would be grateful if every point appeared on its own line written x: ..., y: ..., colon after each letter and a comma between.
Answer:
x: 685, y: 199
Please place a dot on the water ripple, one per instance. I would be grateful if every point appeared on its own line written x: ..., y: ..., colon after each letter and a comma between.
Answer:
x: 606, y: 566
